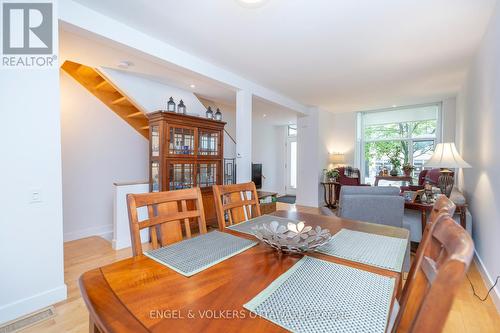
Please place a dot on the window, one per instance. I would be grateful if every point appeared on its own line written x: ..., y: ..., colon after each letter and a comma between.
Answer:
x: 406, y: 134
x: 292, y: 130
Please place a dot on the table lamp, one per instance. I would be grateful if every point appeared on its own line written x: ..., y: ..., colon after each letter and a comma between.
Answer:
x: 337, y: 158
x: 446, y: 157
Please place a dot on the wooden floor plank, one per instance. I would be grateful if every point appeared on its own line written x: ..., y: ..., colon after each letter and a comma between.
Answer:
x: 467, y: 315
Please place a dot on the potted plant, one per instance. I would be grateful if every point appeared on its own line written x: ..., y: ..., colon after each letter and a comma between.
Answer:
x: 407, y: 169
x: 332, y: 175
x: 395, y: 160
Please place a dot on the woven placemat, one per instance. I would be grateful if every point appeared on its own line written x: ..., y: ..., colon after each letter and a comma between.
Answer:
x: 194, y: 255
x: 246, y: 227
x: 319, y: 296
x: 371, y: 249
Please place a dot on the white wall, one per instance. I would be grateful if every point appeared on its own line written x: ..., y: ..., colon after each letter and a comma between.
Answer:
x: 308, y: 159
x: 31, y: 244
x: 98, y: 149
x: 478, y: 120
x: 152, y: 95
x: 449, y: 121
x: 268, y: 147
x: 343, y: 128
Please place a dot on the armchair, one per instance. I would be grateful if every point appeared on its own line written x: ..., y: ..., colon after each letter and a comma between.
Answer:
x: 430, y: 176
x: 343, y: 180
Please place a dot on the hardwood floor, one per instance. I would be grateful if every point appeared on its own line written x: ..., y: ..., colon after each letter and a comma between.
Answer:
x: 467, y: 315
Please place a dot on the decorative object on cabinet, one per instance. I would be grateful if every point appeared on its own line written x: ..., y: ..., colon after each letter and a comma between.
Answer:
x: 209, y: 114
x: 446, y: 157
x: 218, y: 115
x: 188, y: 153
x: 171, y: 105
x: 181, y: 108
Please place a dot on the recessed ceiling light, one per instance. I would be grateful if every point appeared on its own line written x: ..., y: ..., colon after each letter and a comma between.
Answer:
x: 251, y: 3
x: 394, y: 105
x: 264, y: 115
x: 125, y: 64
x: 192, y: 86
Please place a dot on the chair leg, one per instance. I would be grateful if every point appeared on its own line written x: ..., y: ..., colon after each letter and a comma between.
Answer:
x: 92, y: 326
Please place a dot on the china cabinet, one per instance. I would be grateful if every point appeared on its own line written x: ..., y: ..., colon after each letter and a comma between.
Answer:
x: 186, y: 151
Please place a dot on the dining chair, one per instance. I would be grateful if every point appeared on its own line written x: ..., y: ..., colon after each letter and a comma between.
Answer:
x: 374, y: 204
x: 439, y: 269
x: 443, y: 205
x: 233, y: 200
x: 165, y: 212
x: 442, y: 208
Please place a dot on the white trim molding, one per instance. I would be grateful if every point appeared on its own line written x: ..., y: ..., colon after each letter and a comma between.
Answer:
x: 105, y: 232
x: 33, y: 303
x: 489, y: 281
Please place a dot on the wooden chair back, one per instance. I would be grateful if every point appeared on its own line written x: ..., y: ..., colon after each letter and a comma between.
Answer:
x: 166, y: 211
x: 234, y: 200
x: 443, y: 205
x: 441, y: 262
x: 443, y: 208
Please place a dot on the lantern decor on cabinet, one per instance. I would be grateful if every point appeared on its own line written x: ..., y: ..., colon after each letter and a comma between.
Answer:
x: 218, y: 115
x: 209, y: 114
x: 181, y: 108
x: 171, y: 105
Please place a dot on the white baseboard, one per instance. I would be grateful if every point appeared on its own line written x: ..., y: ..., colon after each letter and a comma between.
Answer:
x: 495, y: 293
x: 105, y: 232
x: 31, y: 304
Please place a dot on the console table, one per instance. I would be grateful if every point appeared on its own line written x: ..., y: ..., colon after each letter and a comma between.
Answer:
x: 408, y: 179
x: 424, y: 208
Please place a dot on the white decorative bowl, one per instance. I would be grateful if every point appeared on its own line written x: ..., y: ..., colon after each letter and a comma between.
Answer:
x: 292, y: 238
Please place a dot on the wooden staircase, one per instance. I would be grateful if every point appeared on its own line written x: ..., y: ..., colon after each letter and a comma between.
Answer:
x: 98, y: 85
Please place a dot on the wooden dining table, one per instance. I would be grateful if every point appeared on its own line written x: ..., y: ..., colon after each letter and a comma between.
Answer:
x: 140, y: 295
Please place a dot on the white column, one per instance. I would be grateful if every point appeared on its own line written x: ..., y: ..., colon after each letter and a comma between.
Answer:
x: 243, y: 136
x: 308, y: 166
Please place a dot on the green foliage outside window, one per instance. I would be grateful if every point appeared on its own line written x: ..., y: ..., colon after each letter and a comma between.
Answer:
x: 393, y: 145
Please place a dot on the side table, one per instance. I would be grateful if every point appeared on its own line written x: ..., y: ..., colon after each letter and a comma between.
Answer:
x: 329, y: 192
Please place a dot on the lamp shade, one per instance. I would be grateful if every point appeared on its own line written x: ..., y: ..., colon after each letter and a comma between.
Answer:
x: 446, y: 156
x: 337, y: 158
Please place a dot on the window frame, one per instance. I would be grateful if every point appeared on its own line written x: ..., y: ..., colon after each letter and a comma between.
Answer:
x: 361, y: 141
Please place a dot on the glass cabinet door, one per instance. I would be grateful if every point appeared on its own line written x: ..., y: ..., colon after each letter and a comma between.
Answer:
x: 208, y: 143
x: 155, y: 176
x: 181, y: 175
x: 181, y: 141
x: 207, y: 173
x: 155, y: 141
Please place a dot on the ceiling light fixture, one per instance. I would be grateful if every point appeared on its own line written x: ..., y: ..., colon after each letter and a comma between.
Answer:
x: 192, y: 86
x: 125, y: 64
x: 264, y: 115
x: 251, y: 3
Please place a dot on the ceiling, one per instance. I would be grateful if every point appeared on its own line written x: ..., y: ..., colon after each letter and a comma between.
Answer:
x: 339, y: 55
x: 273, y: 114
